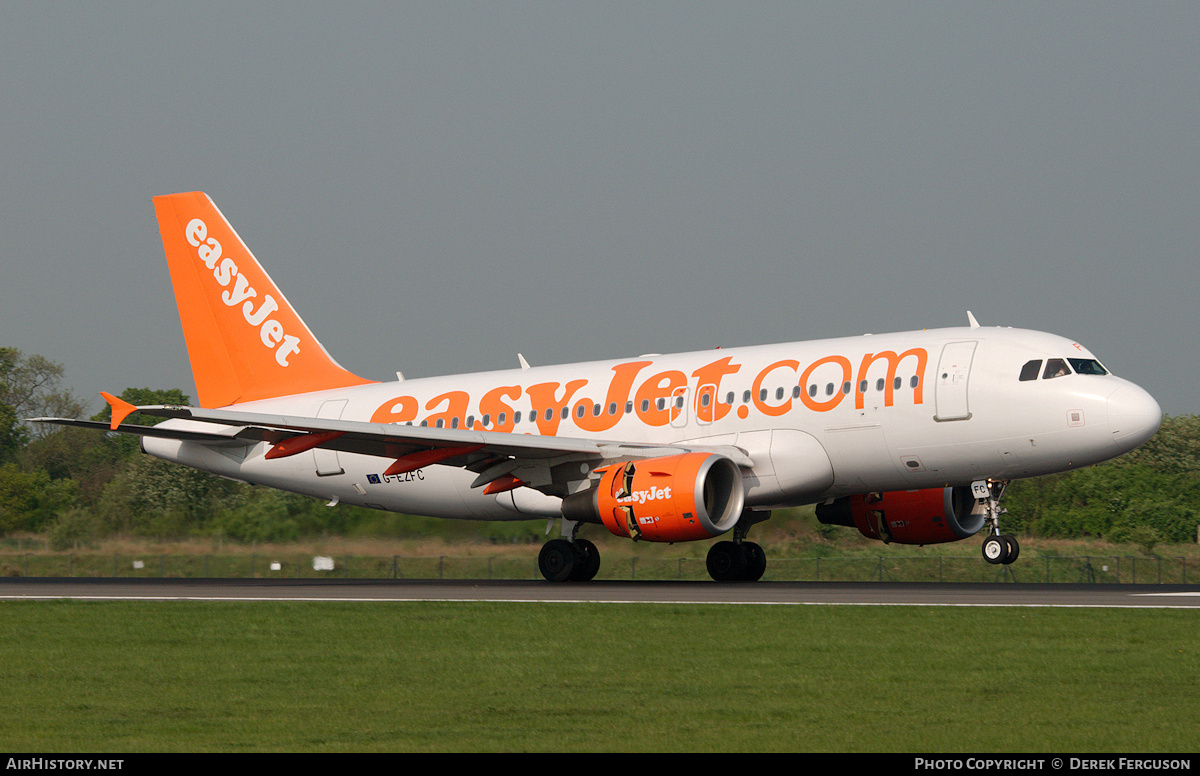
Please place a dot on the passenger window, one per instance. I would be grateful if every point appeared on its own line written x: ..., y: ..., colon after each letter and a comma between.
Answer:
x: 1030, y: 370
x: 1055, y: 367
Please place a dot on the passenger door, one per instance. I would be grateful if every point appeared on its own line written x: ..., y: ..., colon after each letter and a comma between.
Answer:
x: 953, y: 376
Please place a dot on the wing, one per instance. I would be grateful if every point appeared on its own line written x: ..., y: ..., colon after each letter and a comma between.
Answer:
x: 500, y: 460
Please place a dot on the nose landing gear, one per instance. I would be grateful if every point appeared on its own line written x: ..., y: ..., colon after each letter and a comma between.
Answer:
x: 997, y: 547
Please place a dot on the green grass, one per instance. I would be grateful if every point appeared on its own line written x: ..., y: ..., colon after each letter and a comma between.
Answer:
x: 249, y: 677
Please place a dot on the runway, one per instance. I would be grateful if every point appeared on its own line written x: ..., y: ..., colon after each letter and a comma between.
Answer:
x: 760, y: 593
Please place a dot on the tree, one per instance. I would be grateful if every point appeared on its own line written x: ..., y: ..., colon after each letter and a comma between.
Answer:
x: 1154, y: 487
x: 1175, y: 448
x: 31, y: 500
x: 12, y: 434
x: 30, y: 387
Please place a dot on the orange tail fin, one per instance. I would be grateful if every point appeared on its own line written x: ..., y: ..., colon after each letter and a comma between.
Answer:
x: 244, y: 340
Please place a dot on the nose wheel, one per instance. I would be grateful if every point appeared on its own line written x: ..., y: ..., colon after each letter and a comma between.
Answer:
x: 997, y: 548
x: 1001, y: 548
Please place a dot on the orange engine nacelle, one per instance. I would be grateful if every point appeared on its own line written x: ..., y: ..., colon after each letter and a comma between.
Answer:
x: 928, y: 516
x: 676, y: 498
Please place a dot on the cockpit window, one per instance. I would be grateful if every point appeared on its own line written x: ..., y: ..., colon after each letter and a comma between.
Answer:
x: 1055, y: 367
x: 1087, y: 366
x: 1030, y: 370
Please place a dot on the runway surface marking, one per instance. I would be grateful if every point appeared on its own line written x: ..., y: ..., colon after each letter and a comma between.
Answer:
x: 663, y: 601
x: 1189, y: 593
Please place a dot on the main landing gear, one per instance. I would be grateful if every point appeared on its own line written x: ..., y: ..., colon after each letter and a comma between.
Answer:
x: 738, y: 560
x: 997, y: 547
x: 577, y: 560
x: 569, y: 560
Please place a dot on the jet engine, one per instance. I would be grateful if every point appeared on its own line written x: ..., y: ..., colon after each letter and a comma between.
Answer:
x: 929, y: 516
x: 675, y: 498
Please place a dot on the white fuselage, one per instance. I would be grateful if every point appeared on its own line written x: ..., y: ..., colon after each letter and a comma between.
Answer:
x: 818, y: 419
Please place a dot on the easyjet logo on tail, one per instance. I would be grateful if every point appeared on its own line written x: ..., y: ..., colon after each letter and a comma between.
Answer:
x: 225, y: 271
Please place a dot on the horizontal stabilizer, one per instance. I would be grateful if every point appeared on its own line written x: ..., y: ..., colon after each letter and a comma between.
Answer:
x: 150, y: 431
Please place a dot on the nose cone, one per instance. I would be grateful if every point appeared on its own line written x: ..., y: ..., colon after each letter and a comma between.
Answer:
x: 1133, y: 416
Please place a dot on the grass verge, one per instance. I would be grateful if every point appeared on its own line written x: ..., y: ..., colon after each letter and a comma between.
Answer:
x: 327, y: 677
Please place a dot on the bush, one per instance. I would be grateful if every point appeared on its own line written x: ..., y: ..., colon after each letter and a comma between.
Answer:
x: 73, y: 527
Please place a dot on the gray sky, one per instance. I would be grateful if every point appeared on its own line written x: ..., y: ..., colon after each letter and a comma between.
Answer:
x: 437, y: 186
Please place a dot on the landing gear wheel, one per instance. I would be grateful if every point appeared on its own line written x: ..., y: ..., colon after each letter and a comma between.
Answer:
x: 557, y: 560
x: 995, y: 550
x: 726, y: 562
x: 756, y: 561
x: 997, y: 547
x: 587, y: 561
x: 1012, y: 549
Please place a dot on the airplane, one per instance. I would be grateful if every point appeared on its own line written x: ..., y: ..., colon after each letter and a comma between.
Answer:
x: 909, y: 437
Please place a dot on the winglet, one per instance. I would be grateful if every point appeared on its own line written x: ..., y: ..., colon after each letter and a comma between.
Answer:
x: 121, y: 409
x: 971, y: 319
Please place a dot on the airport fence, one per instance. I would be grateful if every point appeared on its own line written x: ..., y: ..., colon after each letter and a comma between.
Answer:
x: 1087, y: 569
